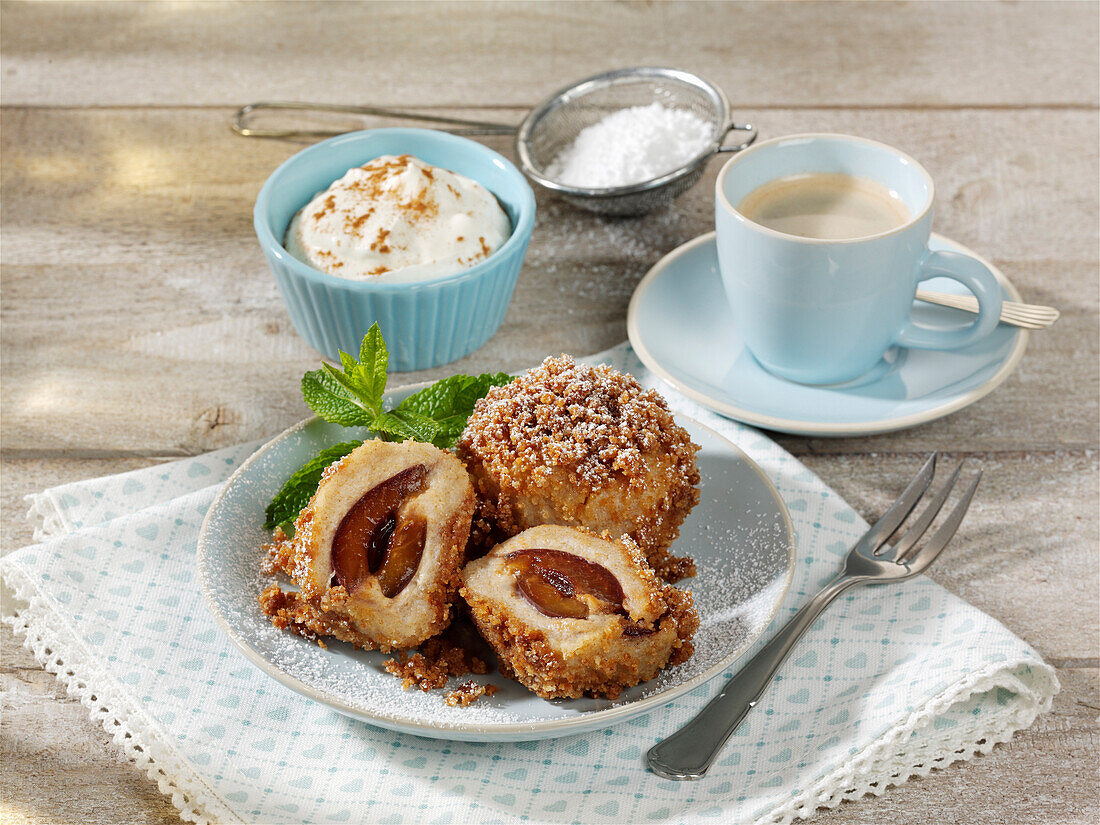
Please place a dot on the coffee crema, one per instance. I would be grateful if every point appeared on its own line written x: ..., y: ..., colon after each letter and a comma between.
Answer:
x: 825, y: 206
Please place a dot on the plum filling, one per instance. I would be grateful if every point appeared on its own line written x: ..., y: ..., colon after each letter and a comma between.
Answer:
x: 373, y: 539
x: 564, y: 586
x: 405, y: 548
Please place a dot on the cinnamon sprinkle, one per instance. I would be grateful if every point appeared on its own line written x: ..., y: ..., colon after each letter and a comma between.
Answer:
x: 328, y: 206
x: 379, y: 243
x: 357, y: 224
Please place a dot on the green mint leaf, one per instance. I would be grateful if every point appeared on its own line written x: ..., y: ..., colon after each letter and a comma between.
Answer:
x: 332, y: 400
x: 397, y: 425
x: 352, y: 397
x: 352, y: 384
x: 348, y: 363
x: 450, y: 401
x: 453, y: 396
x: 373, y: 360
x: 300, y: 487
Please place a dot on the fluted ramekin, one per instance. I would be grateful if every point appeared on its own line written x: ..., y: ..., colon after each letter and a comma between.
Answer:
x: 425, y: 323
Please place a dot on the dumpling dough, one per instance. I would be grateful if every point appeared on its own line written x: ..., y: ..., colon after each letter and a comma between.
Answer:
x: 570, y: 613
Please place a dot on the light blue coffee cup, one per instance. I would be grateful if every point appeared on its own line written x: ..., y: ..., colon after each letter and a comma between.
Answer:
x: 826, y: 311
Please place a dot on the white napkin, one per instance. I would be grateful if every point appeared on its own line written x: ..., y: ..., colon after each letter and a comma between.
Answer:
x: 890, y: 683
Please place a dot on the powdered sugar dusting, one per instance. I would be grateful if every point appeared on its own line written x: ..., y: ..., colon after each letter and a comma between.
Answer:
x: 738, y: 535
x: 593, y: 421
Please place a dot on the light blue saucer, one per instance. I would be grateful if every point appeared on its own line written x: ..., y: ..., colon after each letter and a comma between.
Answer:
x: 680, y: 326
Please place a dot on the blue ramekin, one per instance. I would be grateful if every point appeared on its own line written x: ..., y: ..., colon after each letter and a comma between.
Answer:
x: 425, y: 323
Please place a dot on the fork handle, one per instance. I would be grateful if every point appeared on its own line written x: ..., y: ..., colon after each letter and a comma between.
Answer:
x: 689, y: 753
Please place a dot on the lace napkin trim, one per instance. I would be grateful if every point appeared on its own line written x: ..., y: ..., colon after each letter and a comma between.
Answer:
x: 46, y: 517
x: 54, y: 646
x: 902, y: 752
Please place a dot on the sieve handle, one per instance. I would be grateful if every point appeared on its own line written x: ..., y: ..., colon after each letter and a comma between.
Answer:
x: 241, y: 127
x: 736, y: 127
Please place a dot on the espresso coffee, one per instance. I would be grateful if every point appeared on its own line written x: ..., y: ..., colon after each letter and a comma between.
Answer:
x: 825, y: 205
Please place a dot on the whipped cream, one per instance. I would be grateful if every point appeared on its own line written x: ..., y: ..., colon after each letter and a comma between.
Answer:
x: 397, y: 218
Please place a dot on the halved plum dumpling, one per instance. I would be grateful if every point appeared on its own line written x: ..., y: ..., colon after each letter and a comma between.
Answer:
x: 381, y: 544
x: 570, y: 613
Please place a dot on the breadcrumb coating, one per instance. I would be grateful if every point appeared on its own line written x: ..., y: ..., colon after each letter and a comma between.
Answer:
x: 291, y: 611
x: 467, y: 693
x: 560, y: 657
x: 452, y: 653
x: 584, y: 446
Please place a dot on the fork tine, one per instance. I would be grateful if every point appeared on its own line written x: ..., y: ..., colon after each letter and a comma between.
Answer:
x: 927, y: 554
x: 903, y: 545
x: 1026, y: 316
x: 1031, y: 312
x: 899, y: 510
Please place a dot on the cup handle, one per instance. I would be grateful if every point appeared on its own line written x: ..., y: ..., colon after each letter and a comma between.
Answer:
x: 976, y: 277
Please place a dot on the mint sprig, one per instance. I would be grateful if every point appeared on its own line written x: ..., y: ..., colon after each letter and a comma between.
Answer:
x: 351, y: 396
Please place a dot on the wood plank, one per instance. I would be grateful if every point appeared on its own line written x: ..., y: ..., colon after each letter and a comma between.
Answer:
x: 139, y: 318
x: 62, y: 768
x: 789, y: 54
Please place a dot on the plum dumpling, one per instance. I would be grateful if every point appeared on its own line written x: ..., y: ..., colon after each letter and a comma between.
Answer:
x: 570, y: 613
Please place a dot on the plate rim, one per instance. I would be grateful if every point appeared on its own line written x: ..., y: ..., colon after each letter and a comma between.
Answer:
x: 796, y: 426
x: 480, y: 732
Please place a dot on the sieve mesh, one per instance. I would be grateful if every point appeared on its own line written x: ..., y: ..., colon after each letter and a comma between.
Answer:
x: 552, y: 127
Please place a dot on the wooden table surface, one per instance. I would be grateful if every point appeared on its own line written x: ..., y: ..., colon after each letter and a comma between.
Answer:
x: 140, y: 323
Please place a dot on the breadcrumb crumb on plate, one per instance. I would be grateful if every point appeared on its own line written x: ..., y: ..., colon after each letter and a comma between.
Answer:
x: 739, y: 534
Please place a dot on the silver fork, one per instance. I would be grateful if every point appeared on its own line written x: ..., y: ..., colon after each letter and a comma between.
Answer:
x: 1028, y: 316
x: 688, y: 753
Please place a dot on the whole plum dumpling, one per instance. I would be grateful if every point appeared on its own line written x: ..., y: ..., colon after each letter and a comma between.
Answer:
x: 582, y: 446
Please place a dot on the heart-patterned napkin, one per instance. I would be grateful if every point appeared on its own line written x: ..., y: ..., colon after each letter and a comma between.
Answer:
x: 890, y: 683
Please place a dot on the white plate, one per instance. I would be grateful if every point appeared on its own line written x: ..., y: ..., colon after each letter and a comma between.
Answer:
x: 740, y: 536
x: 681, y: 327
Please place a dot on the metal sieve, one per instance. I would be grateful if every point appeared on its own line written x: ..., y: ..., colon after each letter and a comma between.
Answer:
x: 554, y: 124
